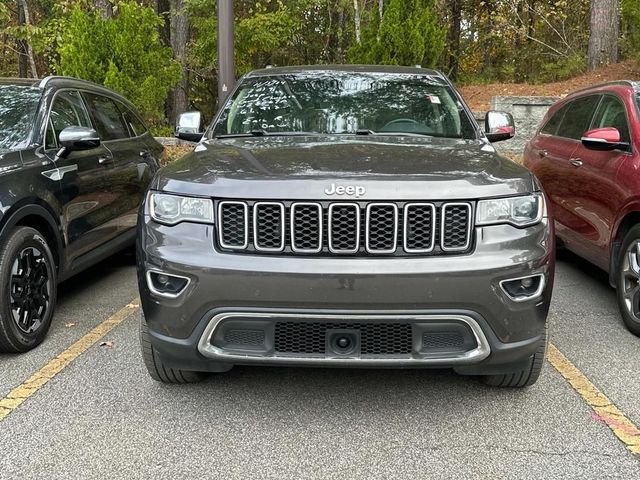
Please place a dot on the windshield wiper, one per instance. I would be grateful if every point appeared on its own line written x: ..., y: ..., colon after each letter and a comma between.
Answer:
x: 263, y: 133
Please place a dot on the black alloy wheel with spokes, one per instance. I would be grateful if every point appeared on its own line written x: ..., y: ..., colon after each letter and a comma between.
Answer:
x: 628, y: 280
x: 28, y: 287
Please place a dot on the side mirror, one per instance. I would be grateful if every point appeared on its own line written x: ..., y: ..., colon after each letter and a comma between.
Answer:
x: 499, y: 126
x: 189, y: 126
x: 77, y: 138
x: 603, y: 139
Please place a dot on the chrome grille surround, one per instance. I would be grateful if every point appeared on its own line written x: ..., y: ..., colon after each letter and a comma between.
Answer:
x: 343, y: 228
x: 331, y: 228
x: 256, y: 226
x: 368, y: 228
x: 446, y: 238
x: 221, y: 222
x: 405, y: 234
x: 294, y: 223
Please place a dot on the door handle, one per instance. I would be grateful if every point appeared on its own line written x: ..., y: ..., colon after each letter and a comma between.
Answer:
x: 542, y: 153
x: 105, y: 159
x: 576, y: 162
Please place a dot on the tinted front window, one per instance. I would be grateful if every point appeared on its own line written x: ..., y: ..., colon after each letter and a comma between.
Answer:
x: 107, y: 118
x: 18, y: 107
x: 611, y: 113
x: 68, y: 110
x: 339, y: 102
x: 578, y: 117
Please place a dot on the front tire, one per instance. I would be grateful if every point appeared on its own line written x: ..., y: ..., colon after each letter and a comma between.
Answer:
x: 628, y: 280
x: 525, y: 377
x: 156, y: 367
x: 28, y: 286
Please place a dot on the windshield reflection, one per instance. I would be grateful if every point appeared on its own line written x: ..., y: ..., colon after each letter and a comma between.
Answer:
x: 345, y: 103
x: 18, y: 105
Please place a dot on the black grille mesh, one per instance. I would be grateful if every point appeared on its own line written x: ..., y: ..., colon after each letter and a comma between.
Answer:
x: 306, y: 220
x: 456, y: 222
x: 244, y: 337
x: 442, y: 341
x: 232, y: 223
x: 269, y: 226
x: 382, y: 234
x: 344, y: 235
x: 419, y: 227
x: 375, y: 338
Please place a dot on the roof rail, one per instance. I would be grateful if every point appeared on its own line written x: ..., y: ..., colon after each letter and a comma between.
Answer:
x: 628, y: 83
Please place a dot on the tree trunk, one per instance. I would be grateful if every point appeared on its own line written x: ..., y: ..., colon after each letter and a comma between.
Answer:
x: 603, y: 37
x: 179, y: 99
x: 453, y: 37
x: 27, y: 21
x: 487, y: 68
x: 381, y: 8
x: 356, y: 20
x: 21, y: 47
x: 163, y: 8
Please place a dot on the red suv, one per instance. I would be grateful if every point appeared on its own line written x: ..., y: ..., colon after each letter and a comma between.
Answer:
x: 586, y: 155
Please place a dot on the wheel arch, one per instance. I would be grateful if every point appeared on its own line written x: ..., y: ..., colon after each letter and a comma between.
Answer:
x: 36, y: 214
x: 629, y: 218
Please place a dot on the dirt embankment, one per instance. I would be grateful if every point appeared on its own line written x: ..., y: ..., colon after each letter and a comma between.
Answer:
x: 479, y: 96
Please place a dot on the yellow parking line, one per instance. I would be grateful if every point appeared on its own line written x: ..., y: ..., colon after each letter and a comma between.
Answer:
x: 18, y: 395
x: 605, y: 411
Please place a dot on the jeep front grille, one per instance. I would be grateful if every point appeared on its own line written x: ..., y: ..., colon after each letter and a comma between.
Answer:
x: 345, y: 228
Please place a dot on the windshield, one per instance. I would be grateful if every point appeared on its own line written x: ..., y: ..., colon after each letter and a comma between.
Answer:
x: 345, y: 103
x: 18, y: 106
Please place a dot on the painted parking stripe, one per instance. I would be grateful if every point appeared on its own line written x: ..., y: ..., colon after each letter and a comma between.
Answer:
x: 604, y: 409
x: 18, y: 395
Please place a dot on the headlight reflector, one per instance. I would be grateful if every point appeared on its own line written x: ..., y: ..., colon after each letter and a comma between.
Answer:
x: 518, y: 211
x: 172, y: 209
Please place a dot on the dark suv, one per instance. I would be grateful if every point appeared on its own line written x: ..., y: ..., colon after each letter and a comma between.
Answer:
x: 586, y: 154
x: 346, y: 216
x: 75, y: 162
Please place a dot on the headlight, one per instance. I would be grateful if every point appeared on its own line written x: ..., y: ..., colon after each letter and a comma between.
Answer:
x: 172, y: 209
x: 517, y: 211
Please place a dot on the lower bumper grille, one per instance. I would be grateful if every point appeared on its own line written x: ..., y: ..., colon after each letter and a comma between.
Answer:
x: 344, y: 339
x: 375, y: 338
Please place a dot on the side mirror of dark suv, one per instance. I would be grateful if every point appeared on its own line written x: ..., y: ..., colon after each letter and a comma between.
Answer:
x: 189, y: 126
x: 79, y: 138
x: 499, y: 126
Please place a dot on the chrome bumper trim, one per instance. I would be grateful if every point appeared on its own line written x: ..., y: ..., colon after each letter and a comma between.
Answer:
x: 475, y: 355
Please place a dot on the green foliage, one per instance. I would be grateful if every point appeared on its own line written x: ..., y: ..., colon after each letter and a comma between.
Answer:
x: 409, y: 33
x: 631, y: 27
x: 123, y: 53
x: 562, y: 69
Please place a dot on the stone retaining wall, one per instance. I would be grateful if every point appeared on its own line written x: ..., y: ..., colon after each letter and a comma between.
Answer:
x: 527, y: 113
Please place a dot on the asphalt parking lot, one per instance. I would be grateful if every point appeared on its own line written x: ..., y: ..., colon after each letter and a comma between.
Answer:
x: 93, y: 412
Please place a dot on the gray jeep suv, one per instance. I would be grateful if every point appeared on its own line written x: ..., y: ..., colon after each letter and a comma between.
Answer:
x: 346, y: 216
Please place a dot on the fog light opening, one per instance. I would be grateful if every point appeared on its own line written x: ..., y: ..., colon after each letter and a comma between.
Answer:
x: 165, y: 284
x: 523, y: 288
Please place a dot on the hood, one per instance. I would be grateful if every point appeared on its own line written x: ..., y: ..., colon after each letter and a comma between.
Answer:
x: 389, y: 168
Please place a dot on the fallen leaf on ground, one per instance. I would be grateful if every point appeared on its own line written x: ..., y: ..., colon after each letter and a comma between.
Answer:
x: 70, y: 324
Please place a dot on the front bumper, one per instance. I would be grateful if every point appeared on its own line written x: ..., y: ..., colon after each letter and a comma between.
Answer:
x: 414, y: 290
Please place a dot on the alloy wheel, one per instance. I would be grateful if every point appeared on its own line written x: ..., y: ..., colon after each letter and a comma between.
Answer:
x: 30, y: 289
